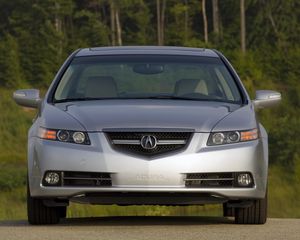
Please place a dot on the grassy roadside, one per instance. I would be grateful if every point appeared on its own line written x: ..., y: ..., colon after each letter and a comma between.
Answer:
x: 284, y: 192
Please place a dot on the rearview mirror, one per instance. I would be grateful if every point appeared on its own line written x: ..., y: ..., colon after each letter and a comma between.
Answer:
x: 27, y: 97
x: 266, y: 98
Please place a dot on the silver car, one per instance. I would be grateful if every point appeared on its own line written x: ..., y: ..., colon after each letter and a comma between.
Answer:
x: 147, y: 126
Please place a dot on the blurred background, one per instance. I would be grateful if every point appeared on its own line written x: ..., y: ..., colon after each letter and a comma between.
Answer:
x: 260, y: 37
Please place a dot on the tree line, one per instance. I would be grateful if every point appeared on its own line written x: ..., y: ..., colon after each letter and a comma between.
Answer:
x: 39, y: 34
x: 260, y: 38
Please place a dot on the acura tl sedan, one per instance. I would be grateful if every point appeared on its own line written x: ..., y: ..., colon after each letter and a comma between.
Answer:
x: 147, y: 126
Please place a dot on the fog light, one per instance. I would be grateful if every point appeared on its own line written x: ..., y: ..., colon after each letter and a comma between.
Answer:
x: 52, y: 178
x: 244, y: 179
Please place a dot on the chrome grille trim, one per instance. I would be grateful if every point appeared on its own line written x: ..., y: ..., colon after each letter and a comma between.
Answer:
x: 209, y: 179
x: 171, y: 142
x: 87, y: 178
x: 126, y: 142
x: 159, y: 142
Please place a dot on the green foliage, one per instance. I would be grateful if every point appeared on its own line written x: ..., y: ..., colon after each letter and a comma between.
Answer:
x: 283, y: 200
x: 13, y: 177
x: 91, y: 31
x: 14, y: 124
x: 13, y: 204
x: 138, y: 28
x: 283, y: 139
x: 10, y: 70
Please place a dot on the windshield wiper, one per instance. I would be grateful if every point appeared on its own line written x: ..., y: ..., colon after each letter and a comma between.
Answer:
x: 172, y: 97
x: 109, y: 98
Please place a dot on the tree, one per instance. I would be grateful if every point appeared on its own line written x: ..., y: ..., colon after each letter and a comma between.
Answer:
x: 115, y: 23
x: 10, y: 69
x: 243, y: 26
x: 118, y: 25
x: 205, y: 27
x: 186, y: 20
x: 112, y: 23
x: 160, y: 12
x: 216, y: 21
x: 140, y: 27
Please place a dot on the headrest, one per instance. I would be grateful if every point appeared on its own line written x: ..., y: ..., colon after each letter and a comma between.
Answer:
x: 185, y: 86
x: 101, y: 87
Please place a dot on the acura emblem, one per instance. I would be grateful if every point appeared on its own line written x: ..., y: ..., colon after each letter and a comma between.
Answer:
x: 148, y: 142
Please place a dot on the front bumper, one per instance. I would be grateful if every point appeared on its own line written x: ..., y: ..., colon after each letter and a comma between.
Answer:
x: 157, y: 175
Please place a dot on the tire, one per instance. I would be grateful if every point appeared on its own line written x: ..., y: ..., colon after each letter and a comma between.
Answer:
x: 256, y: 214
x: 38, y: 213
x: 228, y: 211
x: 63, y: 212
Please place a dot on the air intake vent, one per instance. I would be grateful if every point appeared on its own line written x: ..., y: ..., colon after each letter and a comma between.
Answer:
x: 86, y: 179
x: 216, y: 180
x: 209, y: 180
x: 149, y: 143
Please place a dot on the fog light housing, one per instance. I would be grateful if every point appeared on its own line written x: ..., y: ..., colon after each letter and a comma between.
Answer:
x: 52, y: 179
x: 244, y: 180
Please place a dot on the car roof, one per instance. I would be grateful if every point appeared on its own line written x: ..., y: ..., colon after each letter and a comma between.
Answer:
x: 156, y: 50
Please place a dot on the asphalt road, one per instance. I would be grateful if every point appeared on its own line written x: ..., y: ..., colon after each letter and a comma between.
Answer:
x: 131, y: 228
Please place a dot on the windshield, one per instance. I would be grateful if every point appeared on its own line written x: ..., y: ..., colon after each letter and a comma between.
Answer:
x: 147, y: 76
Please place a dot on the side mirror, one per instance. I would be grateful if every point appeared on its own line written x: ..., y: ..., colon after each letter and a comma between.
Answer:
x: 27, y: 97
x: 266, y: 98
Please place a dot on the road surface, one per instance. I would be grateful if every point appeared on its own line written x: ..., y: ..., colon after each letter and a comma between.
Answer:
x: 144, y: 228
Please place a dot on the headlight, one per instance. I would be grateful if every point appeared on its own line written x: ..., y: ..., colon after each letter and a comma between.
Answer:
x: 219, y: 138
x: 62, y: 135
x: 79, y: 137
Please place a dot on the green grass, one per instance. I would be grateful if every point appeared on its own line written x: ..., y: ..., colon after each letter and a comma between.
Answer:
x: 77, y: 210
x: 12, y: 176
x: 284, y: 192
x: 13, y: 207
x: 13, y: 204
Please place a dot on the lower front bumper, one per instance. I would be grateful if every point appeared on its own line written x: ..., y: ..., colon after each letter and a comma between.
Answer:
x: 148, y: 198
x: 131, y: 174
x: 207, y: 195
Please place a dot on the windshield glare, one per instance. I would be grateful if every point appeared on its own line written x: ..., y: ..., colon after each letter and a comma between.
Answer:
x: 147, y: 76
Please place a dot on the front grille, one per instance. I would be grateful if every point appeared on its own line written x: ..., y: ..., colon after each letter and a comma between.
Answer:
x: 210, y: 180
x: 166, y: 142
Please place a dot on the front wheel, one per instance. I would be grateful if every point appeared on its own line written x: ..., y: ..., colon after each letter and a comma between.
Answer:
x: 228, y: 211
x: 39, y: 214
x: 256, y: 214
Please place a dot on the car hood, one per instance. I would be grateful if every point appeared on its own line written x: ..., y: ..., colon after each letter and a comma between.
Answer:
x: 144, y: 114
